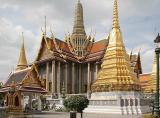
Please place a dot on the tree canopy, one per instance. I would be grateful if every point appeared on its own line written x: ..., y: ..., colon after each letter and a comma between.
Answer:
x: 76, y: 103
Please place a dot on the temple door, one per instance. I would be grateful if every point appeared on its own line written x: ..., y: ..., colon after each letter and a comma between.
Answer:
x: 16, y: 101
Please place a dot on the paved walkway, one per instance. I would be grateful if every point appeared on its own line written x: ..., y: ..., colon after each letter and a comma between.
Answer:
x: 66, y: 115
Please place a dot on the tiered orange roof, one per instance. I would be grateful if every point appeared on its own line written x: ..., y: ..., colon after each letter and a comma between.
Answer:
x: 144, y: 81
x: 60, y: 50
x: 97, y: 51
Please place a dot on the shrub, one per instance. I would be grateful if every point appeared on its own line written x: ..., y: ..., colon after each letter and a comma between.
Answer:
x: 76, y: 103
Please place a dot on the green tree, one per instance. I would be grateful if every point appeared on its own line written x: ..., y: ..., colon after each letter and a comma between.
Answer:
x: 76, y: 103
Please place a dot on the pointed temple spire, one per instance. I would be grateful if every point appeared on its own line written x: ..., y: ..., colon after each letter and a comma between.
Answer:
x: 130, y: 56
x: 22, y: 63
x: 78, y: 27
x: 116, y: 73
x: 115, y: 16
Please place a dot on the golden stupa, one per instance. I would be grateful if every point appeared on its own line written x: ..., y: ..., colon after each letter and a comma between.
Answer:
x: 22, y: 63
x: 116, y: 73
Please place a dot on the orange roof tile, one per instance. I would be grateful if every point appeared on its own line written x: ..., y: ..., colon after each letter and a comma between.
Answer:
x: 99, y: 46
x: 63, y: 45
x: 145, y: 77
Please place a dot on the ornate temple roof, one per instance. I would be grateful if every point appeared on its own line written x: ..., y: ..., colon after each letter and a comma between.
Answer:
x: 17, y: 77
x: 53, y: 48
x: 97, y: 51
x: 145, y: 82
x: 99, y: 46
x: 144, y: 78
x: 26, y: 80
x: 32, y: 89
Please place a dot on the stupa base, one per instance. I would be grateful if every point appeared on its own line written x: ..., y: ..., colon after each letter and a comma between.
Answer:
x: 124, y: 103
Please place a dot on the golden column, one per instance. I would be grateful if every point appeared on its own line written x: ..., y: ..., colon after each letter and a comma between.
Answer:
x: 47, y: 76
x: 58, y: 78
x: 66, y: 78
x: 88, y: 81
x: 80, y: 78
x: 116, y: 73
x: 53, y: 77
x: 73, y: 78
x: 96, y: 64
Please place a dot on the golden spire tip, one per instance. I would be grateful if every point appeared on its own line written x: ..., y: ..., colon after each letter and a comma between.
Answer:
x: 115, y: 15
x: 22, y: 63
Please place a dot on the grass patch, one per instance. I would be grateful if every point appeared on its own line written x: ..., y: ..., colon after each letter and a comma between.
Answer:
x: 150, y: 116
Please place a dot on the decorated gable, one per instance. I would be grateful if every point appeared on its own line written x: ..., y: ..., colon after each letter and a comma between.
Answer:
x: 32, y: 78
x: 44, y: 51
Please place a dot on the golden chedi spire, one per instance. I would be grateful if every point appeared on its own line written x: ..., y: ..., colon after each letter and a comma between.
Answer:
x: 22, y: 63
x: 116, y: 73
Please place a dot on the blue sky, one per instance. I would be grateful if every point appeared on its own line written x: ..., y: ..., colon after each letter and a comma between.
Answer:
x: 139, y: 22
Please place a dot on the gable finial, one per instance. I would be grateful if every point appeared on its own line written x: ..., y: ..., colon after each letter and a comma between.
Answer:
x: 45, y: 27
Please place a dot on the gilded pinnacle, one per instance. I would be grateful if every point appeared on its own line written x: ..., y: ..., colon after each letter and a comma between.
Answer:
x: 22, y: 63
x: 115, y: 15
x: 115, y: 69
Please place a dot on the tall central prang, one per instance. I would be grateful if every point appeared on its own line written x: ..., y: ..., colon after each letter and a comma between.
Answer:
x: 78, y: 41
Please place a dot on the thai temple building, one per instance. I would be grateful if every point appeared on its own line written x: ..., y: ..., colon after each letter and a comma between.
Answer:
x: 74, y: 61
x: 81, y: 66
